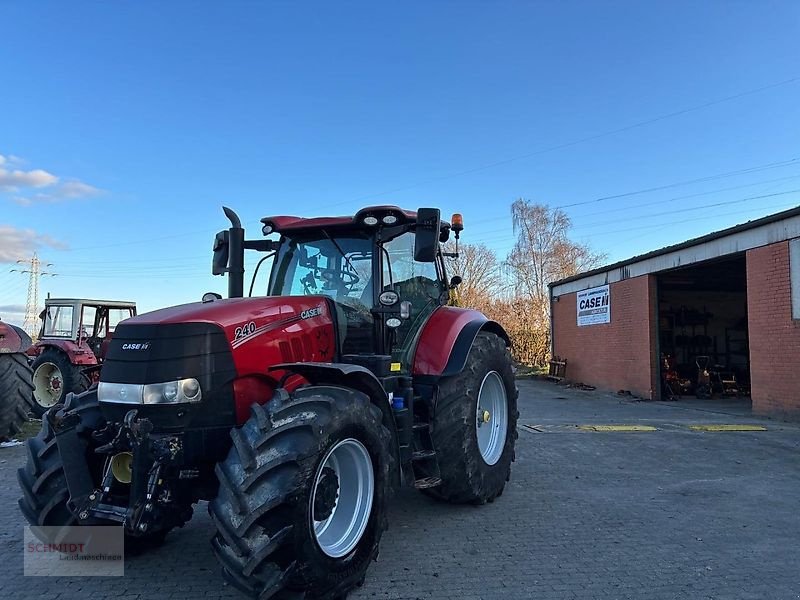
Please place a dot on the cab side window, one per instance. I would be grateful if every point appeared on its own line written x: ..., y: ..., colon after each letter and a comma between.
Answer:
x: 415, y: 282
x: 419, y: 279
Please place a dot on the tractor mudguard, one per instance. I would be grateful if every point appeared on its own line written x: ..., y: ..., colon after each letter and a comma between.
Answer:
x: 446, y: 340
x: 13, y: 339
x: 77, y: 354
x: 343, y: 374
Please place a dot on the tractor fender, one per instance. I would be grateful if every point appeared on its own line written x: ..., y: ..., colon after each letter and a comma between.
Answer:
x: 446, y: 339
x: 350, y: 376
x: 347, y: 375
x: 13, y: 339
x: 78, y: 355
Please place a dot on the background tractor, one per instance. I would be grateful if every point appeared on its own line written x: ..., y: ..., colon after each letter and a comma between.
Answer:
x: 72, y: 344
x: 15, y: 379
x: 295, y: 414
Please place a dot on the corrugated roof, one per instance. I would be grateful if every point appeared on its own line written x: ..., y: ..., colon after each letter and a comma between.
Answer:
x: 792, y: 212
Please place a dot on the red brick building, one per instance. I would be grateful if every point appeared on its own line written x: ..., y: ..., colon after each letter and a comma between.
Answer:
x: 718, y: 314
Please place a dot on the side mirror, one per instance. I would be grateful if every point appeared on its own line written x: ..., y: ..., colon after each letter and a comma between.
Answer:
x: 455, y: 281
x: 426, y: 241
x: 219, y: 263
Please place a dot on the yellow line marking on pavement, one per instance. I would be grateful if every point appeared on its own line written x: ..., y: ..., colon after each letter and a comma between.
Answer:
x: 617, y: 428
x: 727, y: 428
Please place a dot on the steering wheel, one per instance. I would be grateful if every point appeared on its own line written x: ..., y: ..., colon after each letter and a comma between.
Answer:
x: 335, y: 279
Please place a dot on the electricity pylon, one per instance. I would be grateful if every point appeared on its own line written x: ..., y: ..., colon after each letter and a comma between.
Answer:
x: 34, y: 270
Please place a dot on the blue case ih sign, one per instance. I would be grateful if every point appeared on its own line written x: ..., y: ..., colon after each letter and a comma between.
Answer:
x: 594, y: 306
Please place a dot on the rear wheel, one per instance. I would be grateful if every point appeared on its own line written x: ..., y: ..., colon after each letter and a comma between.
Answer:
x: 15, y: 393
x: 475, y: 425
x: 302, y: 500
x: 54, y: 376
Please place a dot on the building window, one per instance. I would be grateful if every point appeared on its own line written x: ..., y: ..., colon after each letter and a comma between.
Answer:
x: 794, y: 271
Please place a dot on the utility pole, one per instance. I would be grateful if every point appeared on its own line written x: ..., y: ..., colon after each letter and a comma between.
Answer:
x: 34, y: 270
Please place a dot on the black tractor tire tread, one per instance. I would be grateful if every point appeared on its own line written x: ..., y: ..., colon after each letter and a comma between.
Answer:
x: 16, y: 393
x: 74, y: 379
x: 256, y: 548
x: 465, y: 478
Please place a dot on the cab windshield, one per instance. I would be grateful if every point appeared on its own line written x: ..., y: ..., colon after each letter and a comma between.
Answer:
x: 340, y: 268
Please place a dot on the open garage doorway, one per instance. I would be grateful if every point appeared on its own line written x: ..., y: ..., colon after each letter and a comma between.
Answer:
x: 702, y: 330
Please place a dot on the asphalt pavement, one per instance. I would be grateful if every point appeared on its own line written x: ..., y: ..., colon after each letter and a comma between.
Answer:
x: 654, y: 506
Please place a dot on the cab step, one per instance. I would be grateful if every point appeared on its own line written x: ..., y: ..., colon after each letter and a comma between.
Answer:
x: 427, y: 482
x: 423, y: 454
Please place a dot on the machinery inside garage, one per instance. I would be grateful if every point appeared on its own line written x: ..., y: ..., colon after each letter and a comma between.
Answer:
x: 703, y: 330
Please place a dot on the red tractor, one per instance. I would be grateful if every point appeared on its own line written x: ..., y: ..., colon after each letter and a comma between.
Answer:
x: 74, y: 338
x: 15, y: 379
x: 297, y: 413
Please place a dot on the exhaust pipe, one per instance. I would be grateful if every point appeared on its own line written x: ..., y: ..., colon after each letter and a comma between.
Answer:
x: 236, y: 255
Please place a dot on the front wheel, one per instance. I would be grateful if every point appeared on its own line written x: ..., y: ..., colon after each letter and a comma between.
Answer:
x: 303, y: 491
x: 475, y: 425
x: 54, y: 376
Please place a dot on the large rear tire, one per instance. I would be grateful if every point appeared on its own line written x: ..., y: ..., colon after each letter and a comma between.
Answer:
x: 475, y: 425
x: 15, y: 393
x: 54, y: 376
x: 302, y: 498
x: 44, y: 484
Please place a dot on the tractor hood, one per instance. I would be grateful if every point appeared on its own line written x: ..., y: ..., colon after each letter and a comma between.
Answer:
x: 226, y: 313
x: 251, y: 326
x: 225, y: 345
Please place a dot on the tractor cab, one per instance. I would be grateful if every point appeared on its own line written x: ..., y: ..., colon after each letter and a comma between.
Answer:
x: 382, y: 271
x: 89, y: 322
x: 73, y: 341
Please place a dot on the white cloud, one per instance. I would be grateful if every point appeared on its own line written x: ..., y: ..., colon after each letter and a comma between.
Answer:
x: 12, y: 308
x: 11, y: 181
x: 25, y: 184
x: 18, y: 244
x: 69, y: 190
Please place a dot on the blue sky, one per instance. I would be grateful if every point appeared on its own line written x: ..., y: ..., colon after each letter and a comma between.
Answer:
x: 125, y: 126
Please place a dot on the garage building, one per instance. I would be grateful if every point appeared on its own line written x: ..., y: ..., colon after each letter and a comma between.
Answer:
x: 719, y: 315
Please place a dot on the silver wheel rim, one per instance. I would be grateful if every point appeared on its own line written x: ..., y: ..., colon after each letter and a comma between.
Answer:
x: 340, y: 531
x: 491, y: 421
x: 48, y: 383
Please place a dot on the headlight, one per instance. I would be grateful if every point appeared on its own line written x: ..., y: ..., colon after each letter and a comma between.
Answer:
x: 388, y: 298
x: 170, y: 392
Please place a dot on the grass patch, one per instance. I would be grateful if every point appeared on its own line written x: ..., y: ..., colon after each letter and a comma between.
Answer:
x: 529, y: 371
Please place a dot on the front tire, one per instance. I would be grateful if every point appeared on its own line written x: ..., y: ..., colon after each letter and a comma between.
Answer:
x: 54, y: 376
x: 475, y: 425
x: 42, y: 479
x: 302, y: 497
x: 15, y: 393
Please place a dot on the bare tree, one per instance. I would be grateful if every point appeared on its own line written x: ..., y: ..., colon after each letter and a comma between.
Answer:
x: 543, y: 253
x: 479, y: 269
